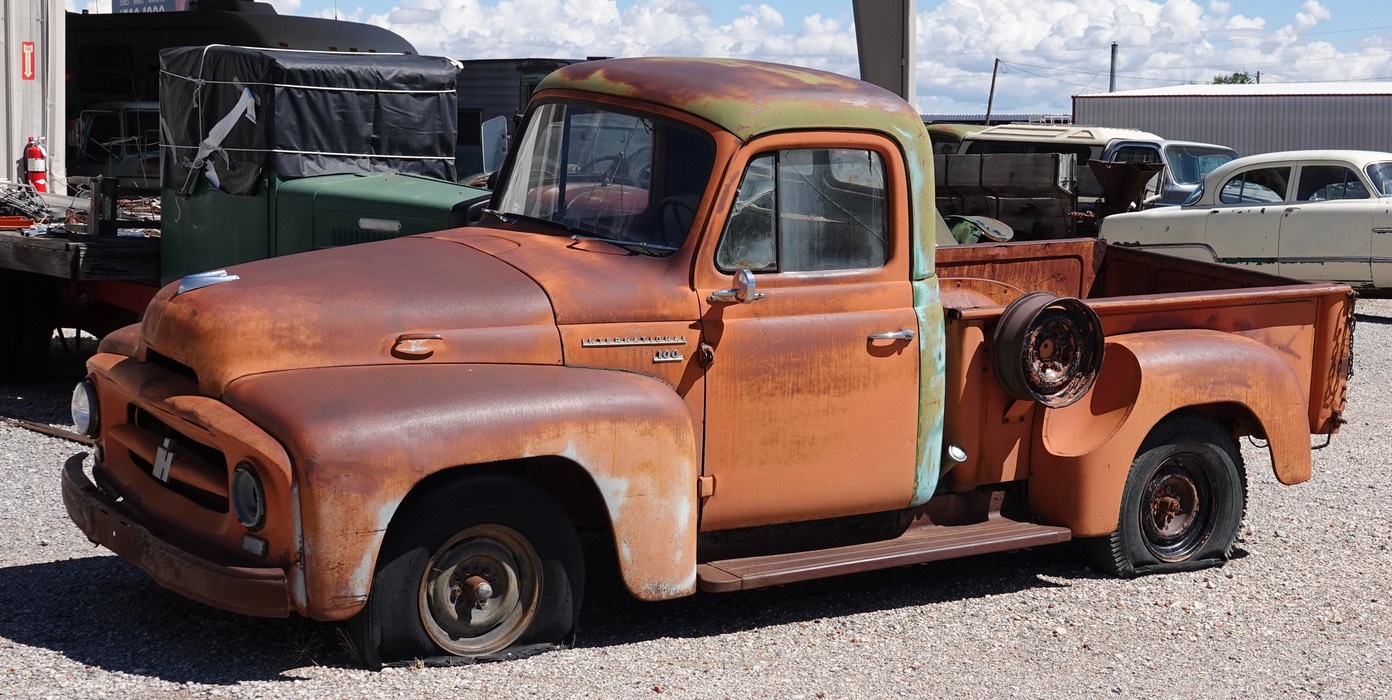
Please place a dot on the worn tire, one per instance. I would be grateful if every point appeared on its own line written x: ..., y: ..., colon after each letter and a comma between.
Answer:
x: 492, y: 527
x: 1183, y: 502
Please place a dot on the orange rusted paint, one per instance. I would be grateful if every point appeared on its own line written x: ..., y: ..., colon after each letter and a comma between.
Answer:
x: 630, y: 433
x: 188, y: 510
x: 354, y: 379
x: 1081, y: 490
x: 287, y: 314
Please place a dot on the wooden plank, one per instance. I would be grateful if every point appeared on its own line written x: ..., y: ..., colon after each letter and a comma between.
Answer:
x: 82, y: 257
x: 54, y: 257
x: 134, y: 259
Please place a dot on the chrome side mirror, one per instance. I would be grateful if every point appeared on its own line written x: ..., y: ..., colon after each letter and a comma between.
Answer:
x: 743, y: 292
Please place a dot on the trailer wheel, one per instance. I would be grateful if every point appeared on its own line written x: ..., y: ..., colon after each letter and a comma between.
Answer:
x: 481, y: 567
x: 27, y: 319
x: 1183, y: 502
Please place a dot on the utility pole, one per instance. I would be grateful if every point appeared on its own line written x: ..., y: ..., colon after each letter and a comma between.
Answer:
x: 991, y: 98
x: 1112, y: 87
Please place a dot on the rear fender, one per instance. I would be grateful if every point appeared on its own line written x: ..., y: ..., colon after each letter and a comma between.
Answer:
x: 361, y: 438
x: 1084, y: 451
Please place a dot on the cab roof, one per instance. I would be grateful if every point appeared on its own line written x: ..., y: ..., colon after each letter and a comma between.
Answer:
x: 746, y: 98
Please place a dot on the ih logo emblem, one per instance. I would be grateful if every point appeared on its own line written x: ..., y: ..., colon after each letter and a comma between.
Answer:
x: 164, y: 459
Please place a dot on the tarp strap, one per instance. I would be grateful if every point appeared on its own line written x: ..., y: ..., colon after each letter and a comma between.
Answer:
x: 212, y: 143
x: 330, y: 88
x: 336, y: 154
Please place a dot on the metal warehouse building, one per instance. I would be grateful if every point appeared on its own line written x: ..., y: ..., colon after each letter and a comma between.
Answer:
x: 1254, y: 118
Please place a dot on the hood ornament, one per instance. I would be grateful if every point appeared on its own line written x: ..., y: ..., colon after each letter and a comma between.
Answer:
x: 200, y: 280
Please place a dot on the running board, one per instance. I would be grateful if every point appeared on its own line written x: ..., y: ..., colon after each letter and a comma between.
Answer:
x: 915, y: 546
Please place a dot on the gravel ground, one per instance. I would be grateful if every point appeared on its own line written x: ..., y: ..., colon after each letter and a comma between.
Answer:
x: 1303, y: 611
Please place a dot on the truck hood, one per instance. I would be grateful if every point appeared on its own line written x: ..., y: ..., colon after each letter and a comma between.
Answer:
x: 406, y: 300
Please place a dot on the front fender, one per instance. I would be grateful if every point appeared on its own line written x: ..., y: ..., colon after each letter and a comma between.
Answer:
x: 360, y: 438
x: 1084, y: 451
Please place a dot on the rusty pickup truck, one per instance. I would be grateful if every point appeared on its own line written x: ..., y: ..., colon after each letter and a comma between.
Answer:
x: 703, y: 336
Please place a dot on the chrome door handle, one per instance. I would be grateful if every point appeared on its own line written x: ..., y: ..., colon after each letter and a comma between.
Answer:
x: 893, y: 335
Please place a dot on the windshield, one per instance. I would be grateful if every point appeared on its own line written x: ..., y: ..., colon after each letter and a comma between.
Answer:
x: 608, y: 174
x: 1381, y: 175
x: 1189, y: 164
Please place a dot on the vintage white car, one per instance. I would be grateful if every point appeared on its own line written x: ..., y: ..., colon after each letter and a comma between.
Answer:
x: 1319, y: 215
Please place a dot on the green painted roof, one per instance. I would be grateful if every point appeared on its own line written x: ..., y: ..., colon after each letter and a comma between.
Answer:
x: 747, y: 98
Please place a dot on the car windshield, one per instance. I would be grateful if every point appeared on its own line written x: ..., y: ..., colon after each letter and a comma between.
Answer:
x: 1189, y: 164
x: 614, y: 175
x: 1381, y: 175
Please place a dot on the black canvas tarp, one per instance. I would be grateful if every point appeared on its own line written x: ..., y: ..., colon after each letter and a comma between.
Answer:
x: 231, y: 113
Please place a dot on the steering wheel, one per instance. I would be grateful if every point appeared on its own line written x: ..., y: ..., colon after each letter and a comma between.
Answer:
x: 615, y: 162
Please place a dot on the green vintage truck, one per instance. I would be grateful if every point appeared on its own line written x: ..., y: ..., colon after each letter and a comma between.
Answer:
x: 265, y: 152
x: 704, y: 329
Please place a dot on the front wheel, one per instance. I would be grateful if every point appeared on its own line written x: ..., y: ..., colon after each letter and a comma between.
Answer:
x: 480, y: 567
x: 1183, y: 502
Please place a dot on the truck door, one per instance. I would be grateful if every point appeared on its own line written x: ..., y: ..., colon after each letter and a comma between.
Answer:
x: 812, y: 384
x: 1327, y: 231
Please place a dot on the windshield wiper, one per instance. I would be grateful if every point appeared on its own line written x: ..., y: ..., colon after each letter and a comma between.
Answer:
x: 508, y: 217
x: 631, y: 246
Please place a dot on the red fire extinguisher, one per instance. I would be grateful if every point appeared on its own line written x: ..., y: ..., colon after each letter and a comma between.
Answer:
x: 36, y: 164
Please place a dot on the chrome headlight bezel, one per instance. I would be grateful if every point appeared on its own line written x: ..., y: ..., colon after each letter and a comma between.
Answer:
x: 247, y: 496
x: 86, y: 414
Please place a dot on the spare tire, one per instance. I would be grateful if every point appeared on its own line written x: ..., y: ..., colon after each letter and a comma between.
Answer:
x: 1047, y: 349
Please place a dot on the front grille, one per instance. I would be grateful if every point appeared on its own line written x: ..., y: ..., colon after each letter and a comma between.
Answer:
x: 207, y: 453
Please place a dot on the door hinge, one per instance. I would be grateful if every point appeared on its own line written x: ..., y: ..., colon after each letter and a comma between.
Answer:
x: 705, y: 355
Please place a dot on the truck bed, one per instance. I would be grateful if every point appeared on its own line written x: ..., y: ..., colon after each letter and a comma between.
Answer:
x: 1131, y: 291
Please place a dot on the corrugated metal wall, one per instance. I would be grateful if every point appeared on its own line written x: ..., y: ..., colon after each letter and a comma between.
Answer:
x: 33, y: 82
x: 1251, y: 124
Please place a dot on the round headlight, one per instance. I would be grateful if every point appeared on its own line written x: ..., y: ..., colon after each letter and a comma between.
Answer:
x: 248, y: 497
x: 84, y: 408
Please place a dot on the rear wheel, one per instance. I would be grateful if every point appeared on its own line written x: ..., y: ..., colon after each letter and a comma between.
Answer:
x: 1183, y: 501
x: 480, y: 567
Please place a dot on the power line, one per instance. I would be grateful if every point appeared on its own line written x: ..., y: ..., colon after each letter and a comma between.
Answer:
x: 1151, y: 46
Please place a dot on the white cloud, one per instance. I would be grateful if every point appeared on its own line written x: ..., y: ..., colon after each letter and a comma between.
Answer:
x: 1310, y: 14
x: 1051, y: 49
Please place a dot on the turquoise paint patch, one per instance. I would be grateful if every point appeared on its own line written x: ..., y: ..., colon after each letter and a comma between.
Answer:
x: 922, y: 201
x: 932, y: 372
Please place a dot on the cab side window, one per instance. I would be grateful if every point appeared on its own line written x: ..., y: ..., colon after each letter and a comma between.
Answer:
x: 1320, y: 183
x: 808, y: 209
x: 1259, y: 186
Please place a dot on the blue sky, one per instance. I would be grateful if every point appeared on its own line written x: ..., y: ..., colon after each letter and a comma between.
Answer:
x: 1051, y: 49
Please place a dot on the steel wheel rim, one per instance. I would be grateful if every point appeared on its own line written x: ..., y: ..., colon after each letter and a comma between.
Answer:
x: 1176, y: 512
x: 451, y: 610
x: 1054, y: 355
